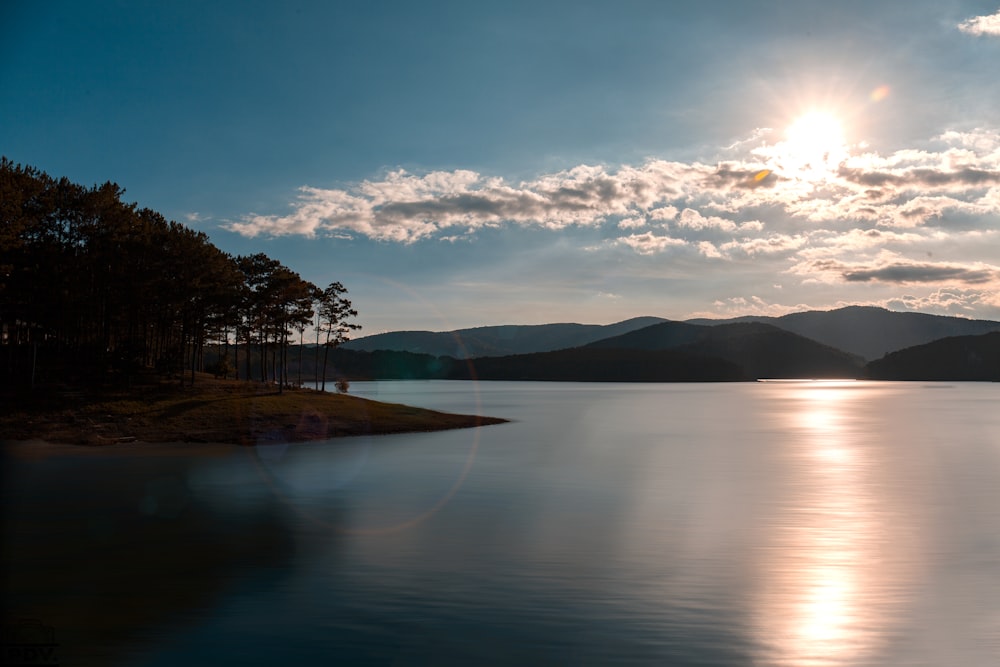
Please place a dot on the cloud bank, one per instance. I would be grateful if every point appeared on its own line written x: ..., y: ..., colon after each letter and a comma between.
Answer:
x: 863, y: 219
x: 958, y: 181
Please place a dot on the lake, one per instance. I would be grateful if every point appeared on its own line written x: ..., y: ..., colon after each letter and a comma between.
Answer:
x: 784, y: 523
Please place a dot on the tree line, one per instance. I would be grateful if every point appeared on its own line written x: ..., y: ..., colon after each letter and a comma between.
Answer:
x: 94, y: 287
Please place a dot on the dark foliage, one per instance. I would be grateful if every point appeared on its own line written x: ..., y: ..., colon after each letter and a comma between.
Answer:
x: 573, y: 365
x: 868, y: 331
x: 958, y: 358
x: 95, y: 289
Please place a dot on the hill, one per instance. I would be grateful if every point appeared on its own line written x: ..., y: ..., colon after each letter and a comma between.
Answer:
x: 665, y: 352
x: 867, y: 331
x: 760, y: 350
x: 583, y: 364
x: 572, y: 365
x: 956, y: 358
x: 496, y: 340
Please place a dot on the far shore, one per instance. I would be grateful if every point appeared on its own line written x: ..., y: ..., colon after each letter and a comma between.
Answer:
x: 210, y: 417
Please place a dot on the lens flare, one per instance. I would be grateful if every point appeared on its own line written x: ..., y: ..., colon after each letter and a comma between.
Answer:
x: 879, y: 93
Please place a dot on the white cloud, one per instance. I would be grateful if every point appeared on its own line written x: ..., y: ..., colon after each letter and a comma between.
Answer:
x: 771, y: 245
x: 663, y: 213
x: 975, y: 303
x: 648, y: 243
x: 982, y: 25
x: 404, y: 207
x: 632, y: 223
x: 869, y: 222
x: 739, y: 305
x: 708, y: 249
x: 953, y: 185
x: 696, y: 221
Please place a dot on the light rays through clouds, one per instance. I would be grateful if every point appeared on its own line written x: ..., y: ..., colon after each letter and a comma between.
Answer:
x: 811, y: 208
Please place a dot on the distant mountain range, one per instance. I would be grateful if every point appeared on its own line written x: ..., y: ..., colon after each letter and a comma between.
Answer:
x: 864, y: 331
x: 814, y: 344
x: 497, y: 340
x: 663, y: 352
x: 867, y: 331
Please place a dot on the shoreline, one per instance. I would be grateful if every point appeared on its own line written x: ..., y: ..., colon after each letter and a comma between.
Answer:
x: 228, y: 413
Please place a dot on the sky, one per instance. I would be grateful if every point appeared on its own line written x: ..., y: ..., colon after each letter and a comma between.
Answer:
x: 458, y: 164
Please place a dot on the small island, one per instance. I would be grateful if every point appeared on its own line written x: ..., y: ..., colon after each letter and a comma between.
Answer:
x: 210, y: 411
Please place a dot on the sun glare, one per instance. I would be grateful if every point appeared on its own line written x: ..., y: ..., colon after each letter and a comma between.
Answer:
x: 814, y: 144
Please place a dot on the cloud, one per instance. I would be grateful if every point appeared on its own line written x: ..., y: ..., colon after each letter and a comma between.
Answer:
x: 954, y: 182
x: 892, y: 268
x: 405, y: 207
x: 921, y: 273
x: 694, y: 220
x: 922, y: 178
x: 771, y: 245
x: 708, y: 249
x: 858, y: 239
x: 649, y: 243
x: 982, y: 25
x: 957, y: 301
x: 632, y: 223
x: 739, y: 306
x: 663, y: 213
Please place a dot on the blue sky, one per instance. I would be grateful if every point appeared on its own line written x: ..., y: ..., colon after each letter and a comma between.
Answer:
x: 468, y: 163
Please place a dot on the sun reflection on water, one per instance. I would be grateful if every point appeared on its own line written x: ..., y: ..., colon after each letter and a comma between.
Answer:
x: 825, y: 600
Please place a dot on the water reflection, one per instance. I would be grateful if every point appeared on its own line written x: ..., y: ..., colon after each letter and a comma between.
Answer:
x: 116, y: 553
x: 828, y: 597
x: 737, y: 524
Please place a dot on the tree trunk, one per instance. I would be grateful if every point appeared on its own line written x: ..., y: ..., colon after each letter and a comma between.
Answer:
x: 326, y: 355
x: 302, y: 331
x: 316, y: 360
x: 263, y: 357
x: 195, y: 348
x: 249, y: 347
x: 281, y: 351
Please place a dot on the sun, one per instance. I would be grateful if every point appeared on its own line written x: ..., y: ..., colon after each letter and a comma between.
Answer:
x: 814, y: 145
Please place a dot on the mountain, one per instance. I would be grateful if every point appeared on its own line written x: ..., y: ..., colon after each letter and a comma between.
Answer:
x: 956, y: 358
x: 868, y: 331
x: 664, y: 352
x: 496, y: 340
x: 572, y: 365
x: 760, y: 350
x: 582, y: 364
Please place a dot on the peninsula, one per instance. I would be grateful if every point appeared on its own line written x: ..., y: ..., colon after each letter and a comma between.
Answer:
x: 210, y: 411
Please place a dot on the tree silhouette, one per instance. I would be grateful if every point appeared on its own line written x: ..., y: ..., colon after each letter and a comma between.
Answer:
x: 93, y: 287
x: 334, y: 311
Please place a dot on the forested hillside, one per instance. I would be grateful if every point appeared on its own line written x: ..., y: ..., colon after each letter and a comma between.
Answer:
x: 93, y: 289
x: 957, y: 358
x: 868, y: 331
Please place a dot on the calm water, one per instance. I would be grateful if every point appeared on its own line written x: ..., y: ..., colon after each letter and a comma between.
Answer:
x: 707, y: 524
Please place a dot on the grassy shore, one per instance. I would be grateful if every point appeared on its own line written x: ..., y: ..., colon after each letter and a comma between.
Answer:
x: 221, y: 411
